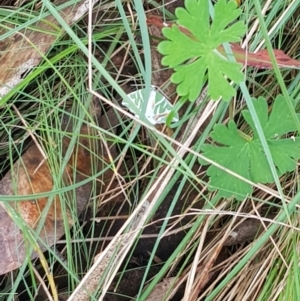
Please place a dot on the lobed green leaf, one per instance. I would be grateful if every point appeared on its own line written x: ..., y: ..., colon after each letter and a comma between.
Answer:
x: 195, y: 18
x: 186, y: 85
x: 245, y: 156
x: 185, y: 52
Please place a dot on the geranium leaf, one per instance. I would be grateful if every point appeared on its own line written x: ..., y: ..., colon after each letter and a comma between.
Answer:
x: 195, y: 54
x: 245, y: 156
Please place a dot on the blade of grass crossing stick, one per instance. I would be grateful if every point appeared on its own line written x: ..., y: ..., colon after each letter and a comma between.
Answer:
x: 130, y: 36
x: 147, y: 50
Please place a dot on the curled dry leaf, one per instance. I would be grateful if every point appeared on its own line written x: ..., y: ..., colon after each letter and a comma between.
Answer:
x: 260, y: 59
x: 31, y: 174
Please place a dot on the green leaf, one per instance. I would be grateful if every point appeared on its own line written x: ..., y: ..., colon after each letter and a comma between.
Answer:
x: 244, y: 155
x: 195, y: 54
x: 272, y: 126
x: 189, y: 85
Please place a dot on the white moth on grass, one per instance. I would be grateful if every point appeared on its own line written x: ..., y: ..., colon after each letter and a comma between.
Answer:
x: 157, y: 109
